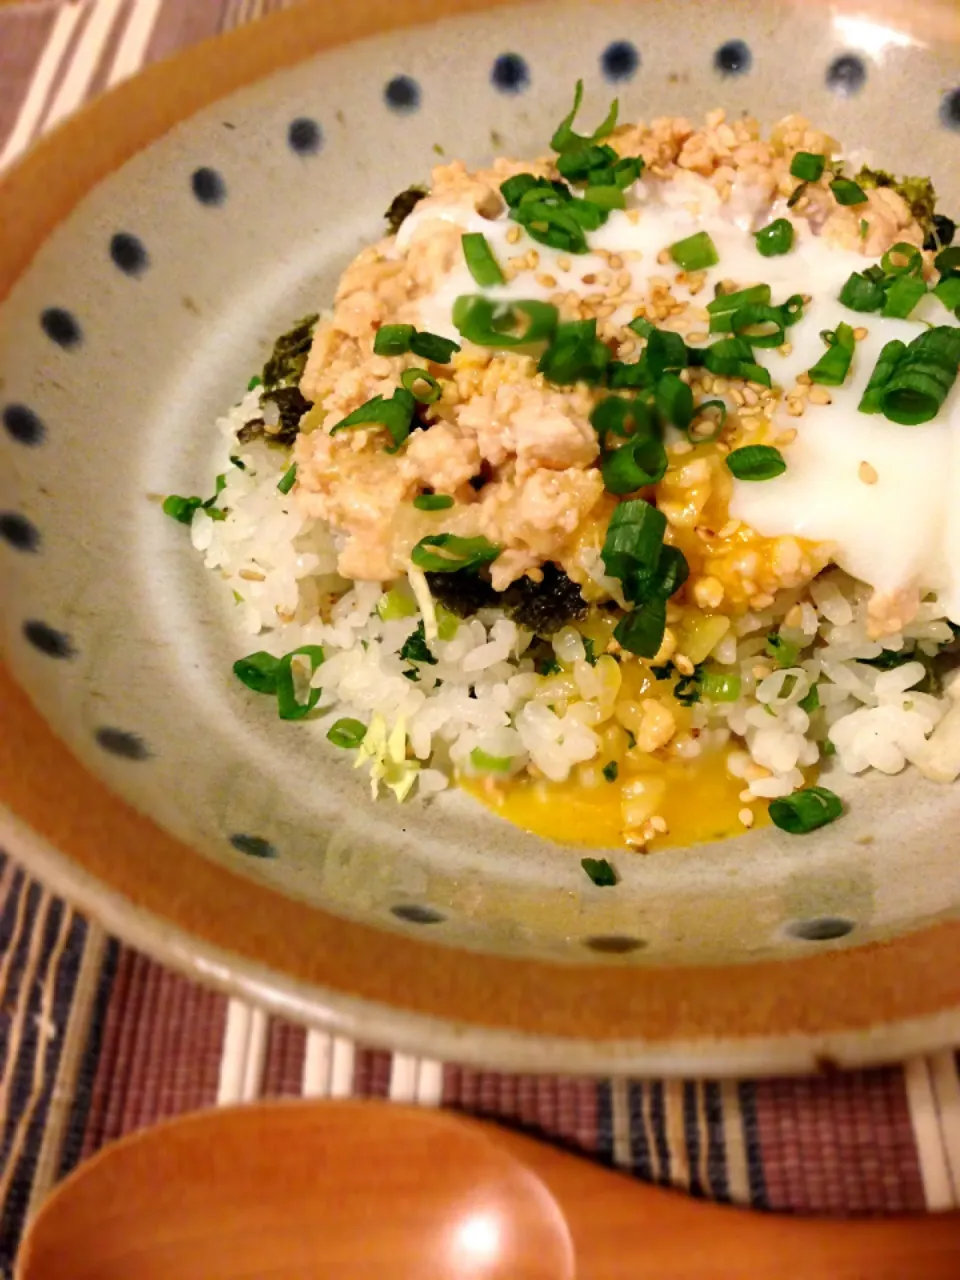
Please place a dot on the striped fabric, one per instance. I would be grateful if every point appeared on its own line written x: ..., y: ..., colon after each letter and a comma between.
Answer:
x: 96, y: 1040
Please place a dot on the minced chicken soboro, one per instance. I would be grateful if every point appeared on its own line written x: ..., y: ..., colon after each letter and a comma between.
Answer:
x: 616, y: 485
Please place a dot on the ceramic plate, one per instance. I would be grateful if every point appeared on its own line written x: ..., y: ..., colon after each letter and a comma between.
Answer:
x: 151, y: 250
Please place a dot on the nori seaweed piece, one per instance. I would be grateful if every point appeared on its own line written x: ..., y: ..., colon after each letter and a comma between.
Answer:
x: 289, y: 356
x: 251, y: 431
x: 544, y: 607
x: 918, y: 192
x: 291, y: 406
x: 402, y: 205
x: 462, y: 593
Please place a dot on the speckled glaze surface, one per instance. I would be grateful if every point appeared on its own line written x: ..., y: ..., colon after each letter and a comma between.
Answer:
x: 176, y: 227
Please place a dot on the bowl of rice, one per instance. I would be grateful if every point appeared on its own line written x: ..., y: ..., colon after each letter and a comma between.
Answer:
x: 478, y: 527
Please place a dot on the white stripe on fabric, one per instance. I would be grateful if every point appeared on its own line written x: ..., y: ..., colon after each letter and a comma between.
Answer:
x: 620, y: 1122
x: 135, y: 39
x: 76, y: 84
x: 317, y: 1061
x: 943, y: 1072
x: 31, y: 111
x: 430, y: 1083
x: 403, y: 1078
x: 928, y: 1137
x: 341, y: 1068
x: 233, y: 1057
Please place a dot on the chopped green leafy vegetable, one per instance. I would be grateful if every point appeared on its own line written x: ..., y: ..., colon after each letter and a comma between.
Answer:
x: 600, y: 871
x: 805, y: 810
x: 415, y: 648
x: 611, y: 771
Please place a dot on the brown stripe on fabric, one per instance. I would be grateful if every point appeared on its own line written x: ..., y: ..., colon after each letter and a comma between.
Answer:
x: 76, y: 35
x: 371, y: 1073
x: 101, y: 75
x: 23, y: 36
x: 283, y: 1069
x: 181, y: 23
x: 841, y: 1144
x: 564, y: 1107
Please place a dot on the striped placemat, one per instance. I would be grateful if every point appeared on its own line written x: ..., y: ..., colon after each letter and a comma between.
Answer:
x: 96, y: 1040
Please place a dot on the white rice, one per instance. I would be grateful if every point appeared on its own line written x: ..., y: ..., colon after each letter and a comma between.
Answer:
x: 482, y: 692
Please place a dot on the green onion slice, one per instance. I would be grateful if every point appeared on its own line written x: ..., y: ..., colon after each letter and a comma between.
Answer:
x: 433, y: 501
x: 605, y: 197
x: 347, y: 733
x: 783, y: 651
x: 457, y: 553
x: 665, y: 350
x: 725, y: 303
x: 720, y: 686
x: 396, y: 414
x: 733, y: 357
x: 810, y: 700
x: 287, y: 705
x: 480, y: 260
x: 634, y: 538
x: 674, y: 401
x: 575, y: 354
x: 484, y: 761
x: 640, y: 462
x: 642, y: 326
x: 288, y: 479
x: 948, y: 260
x: 600, y: 871
x: 756, y: 462
x: 922, y: 377
x: 792, y: 309
x: 889, y: 358
x: 902, y: 259
x: 775, y: 239
x: 903, y: 295
x: 805, y: 810
x: 948, y: 292
x: 834, y: 365
x: 393, y: 339
x: 503, y: 324
x: 760, y: 325
x: 641, y: 631
x: 702, y: 418
x: 619, y: 416
x: 411, y: 380
x: 578, y: 166
x: 808, y: 165
x: 860, y: 293
x: 258, y: 671
x: 695, y: 253
x: 181, y: 509
x: 564, y: 139
x: 430, y: 346
x: 847, y: 192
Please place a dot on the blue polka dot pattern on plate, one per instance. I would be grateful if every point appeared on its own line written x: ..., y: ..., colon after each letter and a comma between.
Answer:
x: 61, y: 326
x: 253, y: 846
x: 304, y: 136
x: 121, y: 743
x: 402, y: 94
x: 413, y: 913
x: 208, y: 186
x: 620, y: 60
x: 129, y: 254
x: 510, y: 73
x: 23, y: 425
x: 950, y: 109
x: 49, y: 641
x: 820, y: 929
x: 733, y: 58
x: 846, y: 75
x: 18, y: 532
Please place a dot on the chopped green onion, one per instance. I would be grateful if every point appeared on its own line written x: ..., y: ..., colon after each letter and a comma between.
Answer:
x: 640, y: 462
x: 642, y: 630
x: 948, y: 292
x: 725, y: 303
x: 393, y: 339
x: 394, y: 604
x: 756, y: 462
x: 775, y: 239
x: 948, y: 260
x: 847, y: 192
x: 578, y: 166
x: 288, y: 479
x: 480, y: 260
x: 458, y: 553
x: 805, y: 810
x: 733, y: 357
x: 785, y: 652
x: 287, y: 705
x: 448, y: 624
x: 671, y: 573
x: 411, y: 378
x: 633, y: 540
x: 564, y: 139
x: 347, y: 733
x: 482, y: 760
x: 600, y: 871
x: 515, y: 188
x: 503, y: 324
x: 827, y: 748
x: 922, y: 378
x: 699, y: 437
x: 792, y: 309
x: 430, y: 346
x: 911, y: 264
x: 396, y: 414
x: 889, y: 358
x: 255, y: 381
x: 665, y: 350
x: 432, y: 501
x: 641, y: 325
x: 605, y: 197
x: 760, y: 325
x: 258, y: 671
x: 860, y: 293
x: 674, y: 401
x: 575, y: 354
x: 695, y: 253
x: 238, y: 462
x: 627, y: 170
x: 808, y: 165
x: 181, y: 509
x: 834, y: 365
x: 903, y: 295
x: 611, y: 771
x: 621, y: 417
x: 720, y: 686
x: 810, y: 701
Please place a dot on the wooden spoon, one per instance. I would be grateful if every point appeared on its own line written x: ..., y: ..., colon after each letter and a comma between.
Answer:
x: 373, y: 1191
